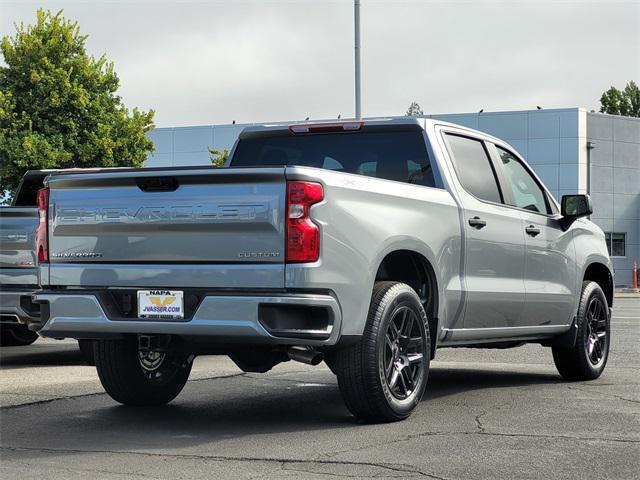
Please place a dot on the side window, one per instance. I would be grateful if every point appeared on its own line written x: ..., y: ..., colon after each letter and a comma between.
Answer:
x: 527, y: 193
x: 367, y: 168
x: 332, y: 164
x: 421, y: 174
x: 474, y: 168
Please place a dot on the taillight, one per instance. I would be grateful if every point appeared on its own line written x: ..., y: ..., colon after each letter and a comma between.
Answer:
x: 42, y: 234
x: 303, y: 236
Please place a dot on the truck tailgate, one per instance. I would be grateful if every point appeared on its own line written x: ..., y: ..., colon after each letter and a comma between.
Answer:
x: 17, y: 246
x: 174, y: 227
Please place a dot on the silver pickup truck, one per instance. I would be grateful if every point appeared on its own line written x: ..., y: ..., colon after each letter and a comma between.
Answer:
x: 18, y: 262
x: 364, y: 244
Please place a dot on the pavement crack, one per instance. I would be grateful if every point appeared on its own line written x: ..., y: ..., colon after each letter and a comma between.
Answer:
x: 564, y: 437
x: 401, y: 468
x: 98, y: 471
x: 49, y: 400
x: 218, y: 377
x: 479, y: 425
x: 480, y: 431
x: 606, y: 394
x: 389, y: 442
x: 289, y: 468
x: 93, y: 394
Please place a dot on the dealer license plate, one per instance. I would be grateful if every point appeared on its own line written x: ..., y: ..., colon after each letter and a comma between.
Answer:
x: 167, y: 304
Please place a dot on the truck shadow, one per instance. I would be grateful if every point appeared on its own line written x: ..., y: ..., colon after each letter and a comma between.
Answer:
x: 450, y: 381
x: 218, y: 413
x: 37, y: 356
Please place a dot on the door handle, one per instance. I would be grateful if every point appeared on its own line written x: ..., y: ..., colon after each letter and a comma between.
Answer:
x: 531, y: 230
x: 476, y: 222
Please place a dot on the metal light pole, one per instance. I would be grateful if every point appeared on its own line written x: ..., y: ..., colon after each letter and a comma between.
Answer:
x: 356, y: 16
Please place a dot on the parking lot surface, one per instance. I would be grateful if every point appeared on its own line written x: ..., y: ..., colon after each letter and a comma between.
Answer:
x: 486, y: 414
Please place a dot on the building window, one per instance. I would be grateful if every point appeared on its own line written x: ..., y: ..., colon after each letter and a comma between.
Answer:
x: 616, y: 243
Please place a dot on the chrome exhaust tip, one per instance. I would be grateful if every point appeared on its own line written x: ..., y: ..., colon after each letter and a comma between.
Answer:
x: 305, y: 355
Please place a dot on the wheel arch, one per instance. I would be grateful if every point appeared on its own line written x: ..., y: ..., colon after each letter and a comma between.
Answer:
x: 413, y: 268
x: 599, y: 272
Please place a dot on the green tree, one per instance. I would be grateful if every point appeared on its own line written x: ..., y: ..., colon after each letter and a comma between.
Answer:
x: 414, y: 110
x: 59, y: 107
x: 622, y: 102
x: 218, y: 157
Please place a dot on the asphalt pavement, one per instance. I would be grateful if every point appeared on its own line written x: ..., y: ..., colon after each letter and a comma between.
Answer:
x: 487, y: 414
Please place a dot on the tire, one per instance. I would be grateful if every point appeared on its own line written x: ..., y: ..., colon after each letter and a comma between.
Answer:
x: 126, y: 380
x: 86, y: 349
x: 383, y: 377
x: 588, y: 357
x: 17, y: 335
x: 332, y: 362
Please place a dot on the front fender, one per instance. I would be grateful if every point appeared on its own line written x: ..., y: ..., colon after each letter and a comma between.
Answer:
x: 590, y: 248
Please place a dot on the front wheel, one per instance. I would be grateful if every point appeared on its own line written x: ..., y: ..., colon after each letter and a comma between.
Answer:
x: 383, y: 377
x: 587, y: 358
x: 136, y: 377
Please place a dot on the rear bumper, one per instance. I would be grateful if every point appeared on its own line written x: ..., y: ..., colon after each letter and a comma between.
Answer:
x: 225, y: 318
x: 11, y: 310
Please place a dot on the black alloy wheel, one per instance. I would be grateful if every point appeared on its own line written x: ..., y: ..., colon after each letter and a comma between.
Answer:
x: 403, y: 353
x: 587, y: 358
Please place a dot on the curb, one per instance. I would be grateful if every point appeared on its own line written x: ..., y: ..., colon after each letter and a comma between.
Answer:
x: 627, y: 293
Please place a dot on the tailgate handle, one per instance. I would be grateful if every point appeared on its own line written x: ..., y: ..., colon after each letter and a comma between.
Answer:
x: 157, y: 184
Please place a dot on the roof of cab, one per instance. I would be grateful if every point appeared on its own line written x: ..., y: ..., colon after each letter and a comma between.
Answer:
x: 369, y: 122
x: 259, y: 130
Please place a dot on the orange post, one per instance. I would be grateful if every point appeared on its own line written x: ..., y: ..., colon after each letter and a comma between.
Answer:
x: 635, y: 274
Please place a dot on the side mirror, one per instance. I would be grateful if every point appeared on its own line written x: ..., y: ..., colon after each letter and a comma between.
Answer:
x: 574, y: 207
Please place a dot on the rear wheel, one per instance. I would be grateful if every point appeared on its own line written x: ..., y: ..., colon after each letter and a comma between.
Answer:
x: 86, y: 349
x: 136, y: 377
x: 16, y: 335
x: 588, y: 357
x: 383, y: 377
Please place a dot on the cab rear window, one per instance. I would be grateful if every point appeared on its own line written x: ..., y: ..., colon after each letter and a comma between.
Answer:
x: 393, y: 155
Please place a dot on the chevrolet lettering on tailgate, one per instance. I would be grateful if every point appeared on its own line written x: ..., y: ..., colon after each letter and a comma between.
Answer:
x: 177, y: 213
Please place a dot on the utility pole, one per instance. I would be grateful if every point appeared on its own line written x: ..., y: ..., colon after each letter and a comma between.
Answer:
x: 356, y: 16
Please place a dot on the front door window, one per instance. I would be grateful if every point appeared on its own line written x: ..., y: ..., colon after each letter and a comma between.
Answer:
x: 527, y: 194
